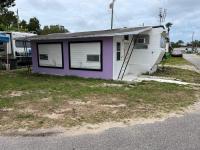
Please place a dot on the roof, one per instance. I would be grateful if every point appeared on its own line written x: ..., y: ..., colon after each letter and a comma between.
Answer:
x: 101, y: 33
x: 4, y: 38
x: 17, y: 35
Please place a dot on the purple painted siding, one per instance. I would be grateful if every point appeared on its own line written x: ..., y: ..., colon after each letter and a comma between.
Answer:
x: 107, y: 72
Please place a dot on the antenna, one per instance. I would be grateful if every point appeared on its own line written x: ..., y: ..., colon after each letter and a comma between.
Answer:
x: 162, y: 15
x: 112, y: 15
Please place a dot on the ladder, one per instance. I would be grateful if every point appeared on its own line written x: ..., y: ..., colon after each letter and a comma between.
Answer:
x: 127, y: 58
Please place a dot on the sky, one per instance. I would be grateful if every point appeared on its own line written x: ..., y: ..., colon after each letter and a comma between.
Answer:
x: 86, y: 15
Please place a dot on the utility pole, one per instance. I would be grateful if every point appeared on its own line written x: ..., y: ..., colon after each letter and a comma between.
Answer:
x: 18, y: 19
x: 112, y: 15
x: 162, y: 15
x: 193, y: 40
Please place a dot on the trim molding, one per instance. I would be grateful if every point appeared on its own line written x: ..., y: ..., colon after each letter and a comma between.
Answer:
x: 86, y: 69
x: 38, y: 57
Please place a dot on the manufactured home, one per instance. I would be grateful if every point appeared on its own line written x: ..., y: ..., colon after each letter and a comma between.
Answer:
x: 115, y: 54
x: 16, y: 49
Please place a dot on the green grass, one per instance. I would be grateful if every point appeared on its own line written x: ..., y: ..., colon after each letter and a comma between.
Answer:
x: 176, y: 61
x: 27, y: 100
x: 182, y: 74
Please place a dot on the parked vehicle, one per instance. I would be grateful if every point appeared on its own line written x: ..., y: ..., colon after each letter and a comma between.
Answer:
x: 177, y: 53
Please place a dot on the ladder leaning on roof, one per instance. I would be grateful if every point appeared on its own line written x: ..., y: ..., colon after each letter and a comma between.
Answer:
x: 127, y: 57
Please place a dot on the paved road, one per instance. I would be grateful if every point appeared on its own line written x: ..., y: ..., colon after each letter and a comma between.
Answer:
x: 194, y: 59
x: 173, y: 134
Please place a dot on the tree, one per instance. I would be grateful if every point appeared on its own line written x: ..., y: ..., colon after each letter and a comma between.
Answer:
x: 53, y: 29
x: 8, y: 20
x: 168, y: 26
x: 180, y: 42
x: 6, y: 4
x: 23, y: 25
x: 34, y: 25
x: 45, y: 30
x: 196, y: 43
x: 177, y: 44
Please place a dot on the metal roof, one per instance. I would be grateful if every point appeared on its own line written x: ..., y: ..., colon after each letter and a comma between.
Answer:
x: 102, y: 33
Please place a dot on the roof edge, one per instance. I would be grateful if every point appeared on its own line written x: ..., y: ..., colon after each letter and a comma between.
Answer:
x: 160, y: 26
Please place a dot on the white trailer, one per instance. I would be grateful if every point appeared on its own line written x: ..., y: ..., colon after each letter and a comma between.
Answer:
x: 15, y: 49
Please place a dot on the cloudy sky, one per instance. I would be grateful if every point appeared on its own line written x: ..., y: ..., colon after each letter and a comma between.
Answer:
x: 82, y: 15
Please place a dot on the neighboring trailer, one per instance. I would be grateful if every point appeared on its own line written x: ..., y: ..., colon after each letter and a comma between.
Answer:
x: 19, y: 51
x: 109, y: 54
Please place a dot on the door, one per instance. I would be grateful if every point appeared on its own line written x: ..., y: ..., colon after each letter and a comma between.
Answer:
x: 118, y: 53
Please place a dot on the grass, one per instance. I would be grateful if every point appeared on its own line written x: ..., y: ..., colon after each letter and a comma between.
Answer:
x: 176, y: 61
x: 34, y: 101
x: 182, y: 74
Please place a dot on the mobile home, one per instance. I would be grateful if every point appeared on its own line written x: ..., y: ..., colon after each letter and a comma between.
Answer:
x: 15, y: 49
x: 115, y: 54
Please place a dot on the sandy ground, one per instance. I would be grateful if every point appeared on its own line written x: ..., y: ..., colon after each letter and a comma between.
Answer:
x: 99, y: 128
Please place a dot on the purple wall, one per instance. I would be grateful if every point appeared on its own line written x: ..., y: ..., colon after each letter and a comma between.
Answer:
x: 107, y: 72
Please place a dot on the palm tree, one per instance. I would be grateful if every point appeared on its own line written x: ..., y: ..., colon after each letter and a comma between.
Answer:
x: 168, y: 26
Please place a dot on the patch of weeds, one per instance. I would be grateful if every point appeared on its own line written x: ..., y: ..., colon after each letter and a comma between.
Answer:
x: 176, y: 61
x: 25, y: 116
x: 182, y: 74
x: 6, y: 103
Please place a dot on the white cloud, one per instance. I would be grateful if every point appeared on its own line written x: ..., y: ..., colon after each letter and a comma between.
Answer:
x: 81, y: 15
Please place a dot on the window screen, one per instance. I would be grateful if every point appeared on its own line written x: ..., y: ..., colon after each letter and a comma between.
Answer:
x: 118, y: 51
x: 22, y: 44
x: 141, y: 40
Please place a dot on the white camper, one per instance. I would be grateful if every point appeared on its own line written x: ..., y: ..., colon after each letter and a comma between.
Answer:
x: 15, y: 49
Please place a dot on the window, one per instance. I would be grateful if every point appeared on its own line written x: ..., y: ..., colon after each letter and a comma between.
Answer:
x: 50, y: 55
x: 126, y: 37
x: 43, y: 56
x: 22, y: 44
x: 2, y: 50
x: 2, y: 47
x: 162, y: 42
x: 141, y: 40
x: 118, y: 51
x: 93, y: 58
x: 86, y: 55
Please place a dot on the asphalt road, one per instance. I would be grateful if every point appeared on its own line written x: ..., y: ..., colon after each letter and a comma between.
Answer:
x: 194, y: 59
x: 173, y: 134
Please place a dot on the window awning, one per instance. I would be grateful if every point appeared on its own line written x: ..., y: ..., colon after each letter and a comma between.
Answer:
x: 4, y: 38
